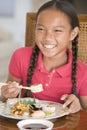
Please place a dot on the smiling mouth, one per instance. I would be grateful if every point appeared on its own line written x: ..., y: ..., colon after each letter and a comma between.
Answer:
x: 49, y: 46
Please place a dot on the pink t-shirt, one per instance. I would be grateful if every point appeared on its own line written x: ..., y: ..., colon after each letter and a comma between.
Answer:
x: 55, y: 83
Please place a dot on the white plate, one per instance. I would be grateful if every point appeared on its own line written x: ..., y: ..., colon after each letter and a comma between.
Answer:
x: 60, y: 111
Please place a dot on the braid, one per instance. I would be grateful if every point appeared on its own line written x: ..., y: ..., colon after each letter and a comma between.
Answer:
x: 74, y: 63
x: 67, y: 8
x: 32, y: 66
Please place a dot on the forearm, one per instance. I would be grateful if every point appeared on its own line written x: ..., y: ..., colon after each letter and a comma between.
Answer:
x: 83, y: 107
x: 83, y: 102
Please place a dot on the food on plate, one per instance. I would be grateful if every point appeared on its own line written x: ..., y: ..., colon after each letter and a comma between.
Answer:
x: 38, y: 113
x: 20, y: 108
x: 49, y: 109
x: 30, y: 108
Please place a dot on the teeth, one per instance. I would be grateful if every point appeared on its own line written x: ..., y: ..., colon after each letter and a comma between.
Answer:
x: 49, y: 46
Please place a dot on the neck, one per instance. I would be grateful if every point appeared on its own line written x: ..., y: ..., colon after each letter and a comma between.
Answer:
x: 51, y: 63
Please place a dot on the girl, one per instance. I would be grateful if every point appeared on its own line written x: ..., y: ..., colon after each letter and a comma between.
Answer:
x: 50, y: 62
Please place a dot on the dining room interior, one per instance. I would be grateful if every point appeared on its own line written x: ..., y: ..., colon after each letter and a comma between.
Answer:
x: 13, y: 25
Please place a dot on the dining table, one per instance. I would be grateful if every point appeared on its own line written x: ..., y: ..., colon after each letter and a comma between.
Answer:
x: 76, y: 121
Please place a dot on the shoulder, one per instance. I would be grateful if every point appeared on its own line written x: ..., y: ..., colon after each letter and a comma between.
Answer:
x: 81, y: 68
x: 81, y: 65
x: 82, y: 78
x: 20, y: 59
x: 23, y: 52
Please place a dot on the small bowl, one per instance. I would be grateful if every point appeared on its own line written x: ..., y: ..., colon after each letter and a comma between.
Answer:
x: 37, y: 124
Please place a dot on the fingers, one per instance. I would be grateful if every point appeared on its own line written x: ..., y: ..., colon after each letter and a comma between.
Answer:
x: 11, y: 90
x: 67, y: 100
x: 64, y: 97
x: 72, y: 102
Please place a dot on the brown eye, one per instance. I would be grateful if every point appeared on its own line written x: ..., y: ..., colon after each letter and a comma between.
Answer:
x: 40, y: 29
x: 58, y: 30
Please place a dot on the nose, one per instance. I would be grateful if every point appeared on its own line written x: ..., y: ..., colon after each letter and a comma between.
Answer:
x: 48, y: 35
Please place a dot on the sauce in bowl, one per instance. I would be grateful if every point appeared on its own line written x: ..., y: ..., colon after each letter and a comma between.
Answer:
x: 36, y: 126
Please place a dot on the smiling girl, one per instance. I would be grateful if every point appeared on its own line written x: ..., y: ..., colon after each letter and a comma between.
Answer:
x: 50, y: 62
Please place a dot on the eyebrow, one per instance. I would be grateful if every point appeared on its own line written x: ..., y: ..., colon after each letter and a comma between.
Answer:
x: 61, y: 26
x: 39, y: 24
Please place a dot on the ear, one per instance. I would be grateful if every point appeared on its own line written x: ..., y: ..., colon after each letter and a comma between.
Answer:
x: 74, y: 33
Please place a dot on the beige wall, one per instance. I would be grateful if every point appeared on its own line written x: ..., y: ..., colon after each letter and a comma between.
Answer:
x: 12, y: 32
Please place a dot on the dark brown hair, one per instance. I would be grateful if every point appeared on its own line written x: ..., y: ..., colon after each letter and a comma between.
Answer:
x: 67, y: 8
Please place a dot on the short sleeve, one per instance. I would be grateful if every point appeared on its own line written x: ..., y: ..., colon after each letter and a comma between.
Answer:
x: 83, y: 86
x: 82, y: 79
x: 15, y: 64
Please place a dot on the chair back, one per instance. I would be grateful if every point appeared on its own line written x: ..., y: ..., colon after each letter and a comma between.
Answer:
x: 82, y: 46
x: 30, y: 29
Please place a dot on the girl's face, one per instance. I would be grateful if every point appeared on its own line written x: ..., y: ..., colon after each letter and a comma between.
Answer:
x: 53, y: 33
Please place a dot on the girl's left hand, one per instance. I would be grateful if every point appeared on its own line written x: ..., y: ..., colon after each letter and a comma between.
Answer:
x: 72, y: 102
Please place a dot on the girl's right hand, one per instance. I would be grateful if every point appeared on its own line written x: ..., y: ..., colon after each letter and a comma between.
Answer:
x: 10, y: 90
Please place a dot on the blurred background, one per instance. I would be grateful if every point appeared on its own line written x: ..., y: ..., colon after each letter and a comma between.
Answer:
x: 13, y: 23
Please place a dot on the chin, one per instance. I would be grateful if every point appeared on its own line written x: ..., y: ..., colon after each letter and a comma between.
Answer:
x: 48, y: 55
